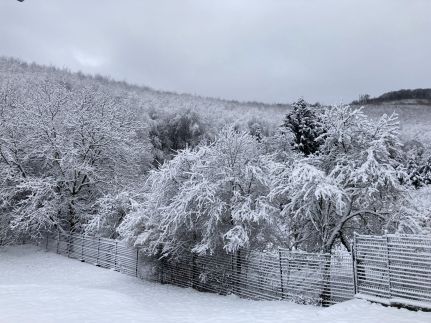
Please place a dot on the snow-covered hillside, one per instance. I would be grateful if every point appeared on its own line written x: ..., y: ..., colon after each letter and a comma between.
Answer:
x: 415, y: 119
x: 36, y: 286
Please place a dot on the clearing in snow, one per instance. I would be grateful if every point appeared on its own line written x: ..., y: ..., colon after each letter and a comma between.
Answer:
x: 37, y: 286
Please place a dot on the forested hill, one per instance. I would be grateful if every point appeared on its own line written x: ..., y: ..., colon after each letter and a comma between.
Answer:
x: 210, y: 114
x: 413, y: 108
x: 415, y: 96
x: 149, y: 99
x: 79, y: 153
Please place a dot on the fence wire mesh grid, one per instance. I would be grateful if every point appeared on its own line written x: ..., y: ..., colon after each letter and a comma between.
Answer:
x: 301, y: 277
x: 102, y: 252
x: 389, y: 269
x: 394, y: 268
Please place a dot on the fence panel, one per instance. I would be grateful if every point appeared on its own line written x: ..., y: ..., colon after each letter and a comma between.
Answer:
x: 394, y: 268
x: 372, y: 273
x: 320, y: 279
x: 410, y: 267
x: 102, y: 252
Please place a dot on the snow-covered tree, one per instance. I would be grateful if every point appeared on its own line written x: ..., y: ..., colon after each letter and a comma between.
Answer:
x: 206, y: 200
x: 418, y: 163
x: 63, y: 146
x: 235, y: 193
x: 37, y: 211
x: 71, y: 143
x: 421, y: 202
x: 171, y: 132
x: 110, y: 213
x: 352, y: 184
x: 303, y: 122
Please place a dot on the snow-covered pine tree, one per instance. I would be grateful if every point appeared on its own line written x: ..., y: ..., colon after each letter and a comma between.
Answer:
x: 417, y: 161
x: 303, y: 122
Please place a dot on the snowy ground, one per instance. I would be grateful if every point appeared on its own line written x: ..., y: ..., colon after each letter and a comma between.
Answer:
x: 36, y: 286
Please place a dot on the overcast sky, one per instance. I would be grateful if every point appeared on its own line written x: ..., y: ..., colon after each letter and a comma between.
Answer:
x: 266, y: 50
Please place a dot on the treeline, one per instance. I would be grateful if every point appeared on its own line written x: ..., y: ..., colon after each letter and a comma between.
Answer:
x: 322, y: 176
x: 404, y: 94
x: 69, y: 143
x: 82, y: 155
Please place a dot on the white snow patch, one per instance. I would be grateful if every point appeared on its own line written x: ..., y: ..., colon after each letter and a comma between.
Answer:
x: 36, y: 286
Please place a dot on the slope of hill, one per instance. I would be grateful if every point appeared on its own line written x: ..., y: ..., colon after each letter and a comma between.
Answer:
x: 412, y: 106
x: 219, y: 110
x: 415, y: 117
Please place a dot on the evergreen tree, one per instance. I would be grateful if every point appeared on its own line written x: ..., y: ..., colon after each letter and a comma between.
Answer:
x: 425, y: 171
x: 305, y: 126
x: 417, y: 164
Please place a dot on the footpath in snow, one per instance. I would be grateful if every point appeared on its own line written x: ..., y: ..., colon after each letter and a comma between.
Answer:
x: 37, y: 286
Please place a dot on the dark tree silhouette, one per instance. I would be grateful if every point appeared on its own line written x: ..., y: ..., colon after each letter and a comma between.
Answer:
x: 304, y: 124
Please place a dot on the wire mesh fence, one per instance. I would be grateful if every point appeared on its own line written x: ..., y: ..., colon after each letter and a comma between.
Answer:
x: 389, y: 269
x: 301, y: 277
x: 317, y: 278
x: 394, y: 268
x: 102, y: 252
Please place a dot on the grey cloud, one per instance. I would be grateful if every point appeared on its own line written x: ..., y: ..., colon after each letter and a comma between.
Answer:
x: 266, y: 50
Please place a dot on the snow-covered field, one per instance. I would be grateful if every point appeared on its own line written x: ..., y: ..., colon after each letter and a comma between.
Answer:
x: 36, y: 286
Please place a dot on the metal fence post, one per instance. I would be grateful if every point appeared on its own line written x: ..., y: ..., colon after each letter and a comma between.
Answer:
x: 232, y: 273
x: 137, y: 261
x: 162, y: 271
x: 326, y: 275
x: 281, y: 273
x: 58, y: 240
x: 115, y: 257
x: 69, y: 241
x: 47, y: 239
x: 388, y: 265
x: 354, y: 265
x: 82, y: 248
x: 287, y: 275
x: 98, y: 252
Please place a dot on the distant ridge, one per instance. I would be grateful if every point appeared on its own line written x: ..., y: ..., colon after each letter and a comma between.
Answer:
x: 417, y: 96
x: 18, y: 65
